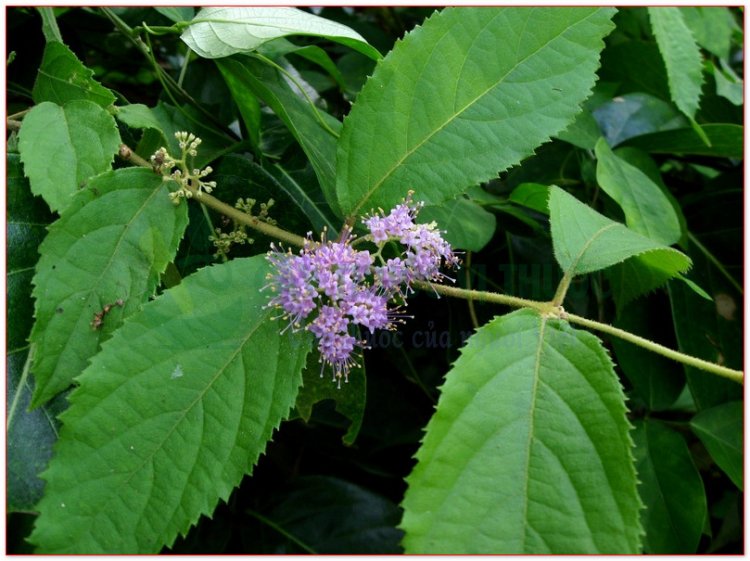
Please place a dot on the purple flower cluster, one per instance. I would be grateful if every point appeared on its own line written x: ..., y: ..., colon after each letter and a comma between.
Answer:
x: 347, y: 288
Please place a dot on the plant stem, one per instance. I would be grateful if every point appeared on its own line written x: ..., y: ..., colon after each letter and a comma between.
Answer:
x: 551, y: 308
x: 127, y: 153
x: 470, y: 301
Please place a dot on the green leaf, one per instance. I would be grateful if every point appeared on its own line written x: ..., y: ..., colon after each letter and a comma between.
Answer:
x: 139, y: 116
x: 681, y: 56
x: 583, y: 132
x: 247, y: 103
x: 350, y: 399
x: 303, y: 120
x: 316, y: 55
x: 656, y: 379
x: 712, y: 27
x: 585, y: 241
x: 314, y: 207
x: 452, y: 105
x: 111, y: 244
x: 671, y: 489
x: 334, y: 516
x: 647, y: 209
x: 221, y: 32
x: 726, y: 141
x: 176, y: 14
x: 49, y: 25
x: 531, y: 432
x: 531, y: 195
x: 62, y: 78
x: 171, y: 414
x: 720, y: 430
x: 728, y: 84
x: 62, y: 147
x: 466, y: 224
x: 636, y: 114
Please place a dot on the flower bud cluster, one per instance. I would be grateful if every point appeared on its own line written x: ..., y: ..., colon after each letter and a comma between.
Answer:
x: 331, y: 289
x: 185, y: 177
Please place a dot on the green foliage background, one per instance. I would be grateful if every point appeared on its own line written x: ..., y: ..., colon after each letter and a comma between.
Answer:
x: 656, y: 146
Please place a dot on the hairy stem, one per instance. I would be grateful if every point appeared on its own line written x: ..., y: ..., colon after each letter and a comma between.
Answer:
x: 551, y: 308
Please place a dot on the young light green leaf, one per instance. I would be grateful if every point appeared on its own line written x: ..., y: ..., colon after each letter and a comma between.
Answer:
x: 171, y: 414
x: 585, y: 241
x: 466, y: 224
x: 62, y: 78
x: 528, y: 451
x: 671, y: 489
x: 720, y: 429
x: 647, y: 209
x: 452, y: 105
x: 81, y: 136
x: 310, y: 126
x: 681, y: 56
x: 106, y: 252
x: 726, y: 141
x: 220, y: 32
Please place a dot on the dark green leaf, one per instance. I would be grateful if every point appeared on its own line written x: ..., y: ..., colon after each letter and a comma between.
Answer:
x: 726, y: 141
x: 528, y: 451
x: 440, y: 113
x: 349, y: 398
x: 658, y: 380
x: 310, y: 126
x: 62, y: 78
x: 671, y: 489
x: 334, y: 516
x: 62, y: 147
x: 531, y: 195
x: 111, y: 244
x: 466, y: 224
x: 171, y: 414
x: 720, y: 430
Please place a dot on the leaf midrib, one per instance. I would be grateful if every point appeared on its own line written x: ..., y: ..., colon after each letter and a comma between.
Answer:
x: 455, y: 115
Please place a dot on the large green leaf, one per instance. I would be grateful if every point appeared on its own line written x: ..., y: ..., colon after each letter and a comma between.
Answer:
x: 111, y: 244
x: 681, y: 56
x: 62, y: 147
x: 465, y: 96
x: 310, y: 126
x: 720, y: 430
x: 466, y: 224
x: 62, y: 78
x: 586, y: 241
x: 171, y: 414
x: 220, y: 32
x: 528, y: 451
x: 671, y: 489
x: 647, y: 209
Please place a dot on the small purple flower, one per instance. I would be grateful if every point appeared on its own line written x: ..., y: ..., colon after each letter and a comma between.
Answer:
x: 346, y: 287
